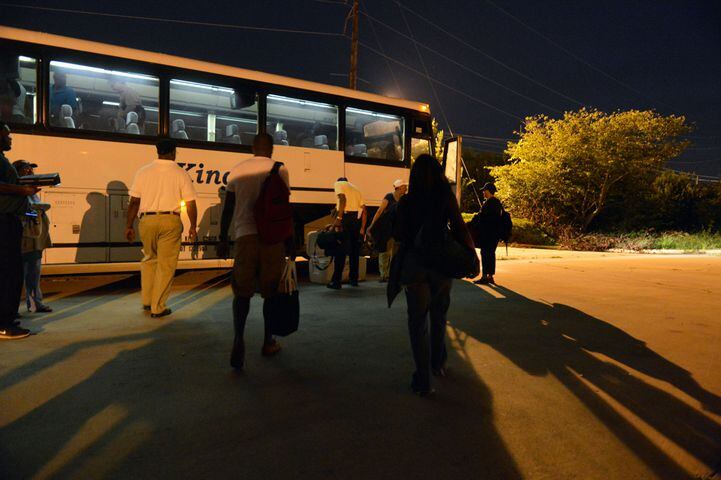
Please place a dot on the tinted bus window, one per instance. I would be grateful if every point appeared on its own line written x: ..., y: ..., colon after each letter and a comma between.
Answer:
x: 374, y: 135
x: 301, y: 123
x: 211, y: 113
x: 91, y: 97
x: 18, y: 78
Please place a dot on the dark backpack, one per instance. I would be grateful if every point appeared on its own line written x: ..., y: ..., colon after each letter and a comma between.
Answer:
x: 272, y: 211
x: 505, y: 227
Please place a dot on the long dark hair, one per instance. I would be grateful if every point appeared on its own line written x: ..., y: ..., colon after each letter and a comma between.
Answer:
x: 427, y: 182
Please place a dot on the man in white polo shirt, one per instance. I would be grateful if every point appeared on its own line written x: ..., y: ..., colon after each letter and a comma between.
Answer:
x: 158, y: 191
x: 351, y: 220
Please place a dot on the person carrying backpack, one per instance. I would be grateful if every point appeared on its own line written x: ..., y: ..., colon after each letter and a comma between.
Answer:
x: 256, y: 204
x: 488, y: 232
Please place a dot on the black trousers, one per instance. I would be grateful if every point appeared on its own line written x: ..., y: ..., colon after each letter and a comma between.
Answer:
x: 11, y: 267
x: 488, y: 257
x: 351, y: 248
x: 428, y: 299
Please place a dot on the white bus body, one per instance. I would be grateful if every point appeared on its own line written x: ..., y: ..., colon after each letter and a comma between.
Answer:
x: 97, y: 167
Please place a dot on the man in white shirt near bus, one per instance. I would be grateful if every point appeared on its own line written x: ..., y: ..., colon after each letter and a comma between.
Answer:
x: 256, y: 264
x: 157, y: 195
x: 351, y: 219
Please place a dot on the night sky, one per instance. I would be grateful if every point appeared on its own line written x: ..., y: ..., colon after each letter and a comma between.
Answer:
x: 508, y: 59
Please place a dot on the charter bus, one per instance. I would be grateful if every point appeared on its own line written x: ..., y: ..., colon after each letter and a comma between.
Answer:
x: 93, y: 113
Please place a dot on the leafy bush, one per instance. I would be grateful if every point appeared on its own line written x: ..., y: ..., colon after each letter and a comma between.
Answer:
x: 562, y: 172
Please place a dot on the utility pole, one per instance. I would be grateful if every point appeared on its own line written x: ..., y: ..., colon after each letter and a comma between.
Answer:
x: 353, y: 75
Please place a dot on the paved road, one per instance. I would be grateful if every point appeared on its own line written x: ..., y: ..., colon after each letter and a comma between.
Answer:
x: 587, y: 367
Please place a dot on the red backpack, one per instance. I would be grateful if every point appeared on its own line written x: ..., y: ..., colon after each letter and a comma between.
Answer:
x: 272, y: 211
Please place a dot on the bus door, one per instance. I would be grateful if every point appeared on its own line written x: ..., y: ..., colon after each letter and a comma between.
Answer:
x: 452, y: 164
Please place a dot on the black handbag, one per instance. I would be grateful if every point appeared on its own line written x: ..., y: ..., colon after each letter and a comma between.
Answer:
x: 283, y: 308
x: 441, y: 252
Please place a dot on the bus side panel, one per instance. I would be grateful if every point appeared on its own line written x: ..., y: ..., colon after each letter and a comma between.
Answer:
x: 374, y: 181
x: 310, y: 167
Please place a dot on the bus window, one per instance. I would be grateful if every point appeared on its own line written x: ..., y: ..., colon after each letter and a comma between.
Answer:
x: 17, y: 87
x: 90, y: 97
x: 374, y: 135
x: 210, y: 113
x: 419, y: 146
x: 301, y: 123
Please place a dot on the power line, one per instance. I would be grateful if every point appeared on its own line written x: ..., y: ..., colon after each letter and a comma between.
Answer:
x: 169, y: 20
x: 490, y: 139
x: 425, y: 69
x: 380, y: 47
x: 458, y: 64
x: 499, y: 62
x: 439, y: 82
x: 573, y: 55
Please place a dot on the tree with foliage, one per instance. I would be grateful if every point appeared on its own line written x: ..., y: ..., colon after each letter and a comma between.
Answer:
x: 561, y: 172
x: 438, y: 138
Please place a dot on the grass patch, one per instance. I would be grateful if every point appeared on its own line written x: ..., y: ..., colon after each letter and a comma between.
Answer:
x: 637, y: 241
x: 688, y: 241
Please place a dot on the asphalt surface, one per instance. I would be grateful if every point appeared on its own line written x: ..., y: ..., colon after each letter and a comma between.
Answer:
x: 589, y: 367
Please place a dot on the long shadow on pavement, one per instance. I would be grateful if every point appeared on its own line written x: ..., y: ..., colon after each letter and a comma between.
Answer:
x: 557, y: 339
x: 334, y: 404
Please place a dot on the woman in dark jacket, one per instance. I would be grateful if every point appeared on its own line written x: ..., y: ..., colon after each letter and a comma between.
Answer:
x: 489, y: 224
x: 429, y: 203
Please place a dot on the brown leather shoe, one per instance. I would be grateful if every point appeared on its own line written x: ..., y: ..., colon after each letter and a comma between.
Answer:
x: 165, y: 312
x: 270, y: 349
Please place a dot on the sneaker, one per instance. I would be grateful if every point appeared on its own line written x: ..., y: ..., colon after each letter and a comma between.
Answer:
x: 491, y: 280
x: 13, y: 333
x: 44, y: 309
x: 334, y: 286
x: 270, y: 349
x: 481, y: 281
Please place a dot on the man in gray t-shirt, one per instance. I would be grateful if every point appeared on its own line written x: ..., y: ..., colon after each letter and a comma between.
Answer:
x: 255, y: 262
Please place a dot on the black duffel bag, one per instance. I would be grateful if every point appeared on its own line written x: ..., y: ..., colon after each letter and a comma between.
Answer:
x: 283, y: 308
x: 331, y: 242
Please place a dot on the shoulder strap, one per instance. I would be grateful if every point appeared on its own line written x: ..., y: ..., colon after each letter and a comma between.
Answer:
x: 276, y: 167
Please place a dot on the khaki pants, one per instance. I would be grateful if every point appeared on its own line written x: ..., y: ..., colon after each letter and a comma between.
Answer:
x: 384, y: 259
x: 161, y: 235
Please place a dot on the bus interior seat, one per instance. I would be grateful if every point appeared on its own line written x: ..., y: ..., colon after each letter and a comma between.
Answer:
x: 66, y: 115
x: 131, y: 123
x: 321, y: 141
x: 231, y: 134
x: 360, y: 150
x: 280, y: 137
x: 178, y: 129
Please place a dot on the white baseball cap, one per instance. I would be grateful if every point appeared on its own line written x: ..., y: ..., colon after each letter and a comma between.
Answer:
x: 399, y: 183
